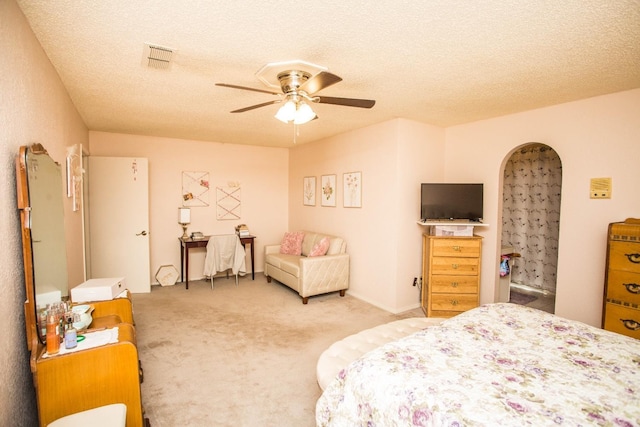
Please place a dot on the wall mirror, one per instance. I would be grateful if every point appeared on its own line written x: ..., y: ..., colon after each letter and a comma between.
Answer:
x: 40, y: 200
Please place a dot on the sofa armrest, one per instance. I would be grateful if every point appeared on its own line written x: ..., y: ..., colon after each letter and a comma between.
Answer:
x: 271, y: 249
x: 323, y: 274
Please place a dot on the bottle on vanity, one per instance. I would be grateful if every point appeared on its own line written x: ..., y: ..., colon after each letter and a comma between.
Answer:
x: 70, y: 334
x: 53, y: 333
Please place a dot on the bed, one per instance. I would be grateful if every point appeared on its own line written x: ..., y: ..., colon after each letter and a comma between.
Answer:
x: 498, y: 364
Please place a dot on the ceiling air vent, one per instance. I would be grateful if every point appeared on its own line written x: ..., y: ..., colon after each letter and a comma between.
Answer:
x: 155, y: 56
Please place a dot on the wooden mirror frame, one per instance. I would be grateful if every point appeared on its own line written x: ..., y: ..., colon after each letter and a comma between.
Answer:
x: 27, y: 251
x: 41, y: 203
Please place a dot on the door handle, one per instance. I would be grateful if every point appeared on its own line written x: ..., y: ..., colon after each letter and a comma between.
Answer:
x: 142, y: 233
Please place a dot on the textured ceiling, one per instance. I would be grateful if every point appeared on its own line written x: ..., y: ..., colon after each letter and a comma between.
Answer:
x: 440, y: 62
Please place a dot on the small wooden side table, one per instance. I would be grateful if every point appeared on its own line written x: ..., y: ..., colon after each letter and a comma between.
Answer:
x: 185, y: 245
x: 189, y: 243
x: 248, y: 240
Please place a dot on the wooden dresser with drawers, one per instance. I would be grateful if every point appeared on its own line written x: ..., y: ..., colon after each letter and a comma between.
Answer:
x: 621, y: 308
x: 450, y: 274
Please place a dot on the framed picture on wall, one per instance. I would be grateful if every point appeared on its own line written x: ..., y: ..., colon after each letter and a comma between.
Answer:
x: 328, y: 190
x: 352, y: 190
x: 309, y: 191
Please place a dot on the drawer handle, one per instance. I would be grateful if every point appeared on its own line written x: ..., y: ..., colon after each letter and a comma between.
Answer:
x: 634, y: 258
x: 454, y: 284
x: 454, y: 302
x: 631, y: 324
x: 456, y: 248
x: 632, y: 288
x: 454, y: 266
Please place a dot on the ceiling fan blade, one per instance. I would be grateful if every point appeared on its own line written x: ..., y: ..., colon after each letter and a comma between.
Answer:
x: 253, y: 107
x: 320, y: 81
x: 348, y: 102
x: 246, y: 88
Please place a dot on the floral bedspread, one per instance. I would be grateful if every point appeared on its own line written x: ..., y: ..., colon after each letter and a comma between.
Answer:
x: 497, y: 365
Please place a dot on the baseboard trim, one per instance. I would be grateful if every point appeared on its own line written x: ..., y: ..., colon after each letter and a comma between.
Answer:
x: 391, y: 310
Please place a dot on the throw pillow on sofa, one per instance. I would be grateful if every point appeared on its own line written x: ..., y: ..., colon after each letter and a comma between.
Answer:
x: 292, y: 243
x: 320, y: 248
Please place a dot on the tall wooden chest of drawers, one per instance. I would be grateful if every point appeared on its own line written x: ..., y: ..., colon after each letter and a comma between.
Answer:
x: 621, y: 311
x: 450, y: 274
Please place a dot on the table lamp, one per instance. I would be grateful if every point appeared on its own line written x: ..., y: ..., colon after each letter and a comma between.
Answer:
x: 184, y: 218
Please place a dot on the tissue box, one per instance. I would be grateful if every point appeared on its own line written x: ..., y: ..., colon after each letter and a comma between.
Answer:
x: 98, y: 290
x: 454, y: 230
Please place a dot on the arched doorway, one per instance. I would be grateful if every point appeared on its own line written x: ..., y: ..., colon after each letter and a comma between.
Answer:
x: 531, y: 196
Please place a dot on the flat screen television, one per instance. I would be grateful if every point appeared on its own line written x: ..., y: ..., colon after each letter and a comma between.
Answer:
x: 451, y: 201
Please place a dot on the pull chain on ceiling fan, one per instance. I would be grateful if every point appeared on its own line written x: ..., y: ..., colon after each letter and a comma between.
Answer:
x: 298, y: 91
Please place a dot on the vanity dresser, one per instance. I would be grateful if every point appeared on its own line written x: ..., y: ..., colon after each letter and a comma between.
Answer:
x: 621, y: 308
x: 89, y: 376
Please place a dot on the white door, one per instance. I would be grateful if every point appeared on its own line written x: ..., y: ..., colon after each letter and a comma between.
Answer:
x: 119, y: 220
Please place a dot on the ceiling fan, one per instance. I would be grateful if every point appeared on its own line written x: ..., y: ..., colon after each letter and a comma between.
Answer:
x: 298, y: 90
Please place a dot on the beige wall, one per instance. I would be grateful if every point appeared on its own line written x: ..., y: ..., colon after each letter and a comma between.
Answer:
x: 34, y: 107
x: 596, y: 137
x: 382, y: 236
x: 261, y: 172
x: 420, y: 151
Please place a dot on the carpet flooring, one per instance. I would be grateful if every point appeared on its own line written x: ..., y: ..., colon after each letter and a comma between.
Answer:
x: 239, y: 355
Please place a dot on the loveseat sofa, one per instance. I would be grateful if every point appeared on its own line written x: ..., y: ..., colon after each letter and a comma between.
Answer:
x: 303, y: 266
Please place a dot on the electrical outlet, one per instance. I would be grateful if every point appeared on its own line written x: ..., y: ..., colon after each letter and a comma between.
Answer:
x: 600, y: 188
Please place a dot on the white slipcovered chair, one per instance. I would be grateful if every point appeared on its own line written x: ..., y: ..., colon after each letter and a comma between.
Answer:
x: 224, y: 253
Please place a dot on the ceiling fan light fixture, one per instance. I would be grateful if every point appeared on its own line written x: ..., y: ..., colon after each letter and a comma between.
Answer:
x: 287, y: 112
x: 304, y: 114
x: 297, y: 112
x: 298, y: 89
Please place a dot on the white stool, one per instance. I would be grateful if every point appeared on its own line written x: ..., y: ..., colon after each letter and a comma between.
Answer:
x: 104, y: 416
x: 345, y: 351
